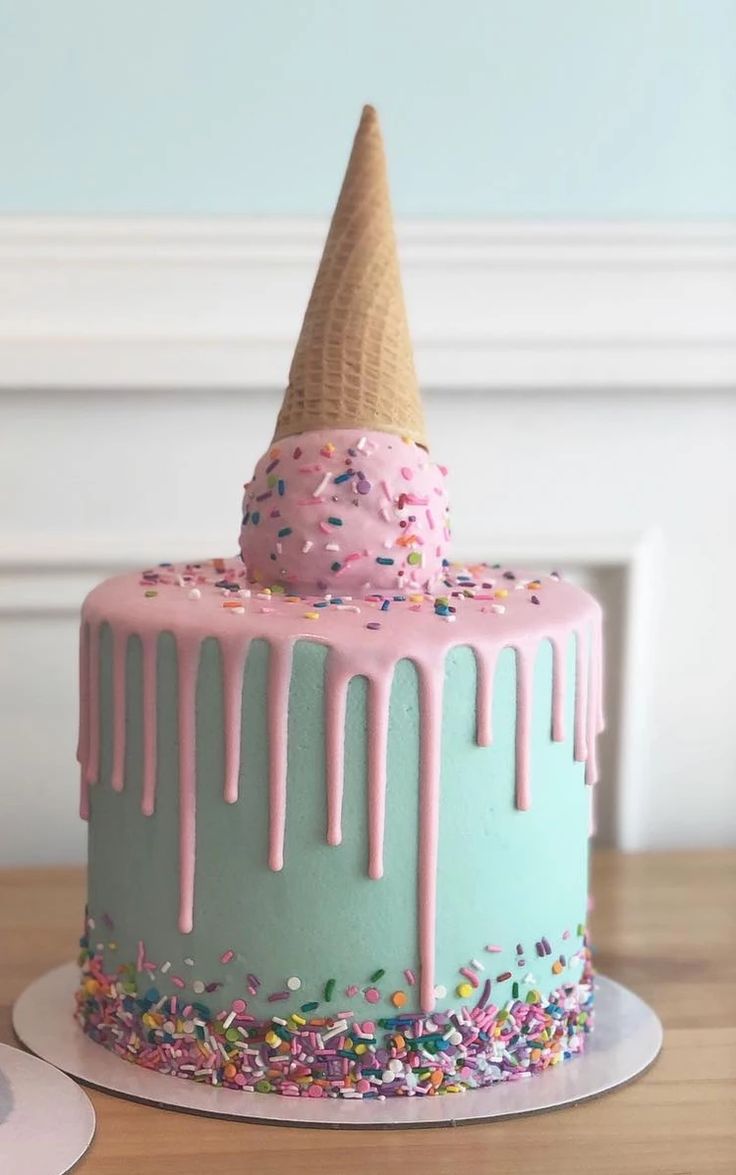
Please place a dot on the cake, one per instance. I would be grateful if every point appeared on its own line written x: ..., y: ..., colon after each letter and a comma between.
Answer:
x: 338, y: 786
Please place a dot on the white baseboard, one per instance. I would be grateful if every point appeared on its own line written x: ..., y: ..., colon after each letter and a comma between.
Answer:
x: 136, y: 303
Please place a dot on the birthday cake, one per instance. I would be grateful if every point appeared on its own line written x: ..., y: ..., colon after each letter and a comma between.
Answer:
x: 338, y: 787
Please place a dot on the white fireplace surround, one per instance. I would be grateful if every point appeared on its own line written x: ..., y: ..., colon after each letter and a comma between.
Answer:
x: 580, y: 381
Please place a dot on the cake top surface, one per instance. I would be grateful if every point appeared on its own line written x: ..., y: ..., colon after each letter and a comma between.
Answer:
x: 477, y: 604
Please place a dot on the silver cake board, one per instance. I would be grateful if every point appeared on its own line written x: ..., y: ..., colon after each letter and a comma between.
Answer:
x: 46, y: 1121
x: 625, y: 1042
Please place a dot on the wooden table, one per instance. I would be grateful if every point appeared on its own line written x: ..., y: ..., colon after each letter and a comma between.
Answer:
x: 665, y: 925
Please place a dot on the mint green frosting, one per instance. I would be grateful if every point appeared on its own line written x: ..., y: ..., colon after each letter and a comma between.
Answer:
x: 505, y: 876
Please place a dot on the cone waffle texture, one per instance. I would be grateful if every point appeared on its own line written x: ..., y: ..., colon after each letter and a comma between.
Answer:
x: 353, y: 365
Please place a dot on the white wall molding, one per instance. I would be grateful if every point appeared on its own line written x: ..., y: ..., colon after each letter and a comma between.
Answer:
x: 137, y: 303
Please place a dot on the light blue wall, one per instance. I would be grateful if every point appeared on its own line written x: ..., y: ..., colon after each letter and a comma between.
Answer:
x: 553, y: 108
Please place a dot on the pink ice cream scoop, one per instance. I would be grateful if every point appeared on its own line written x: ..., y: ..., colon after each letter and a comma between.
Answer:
x: 343, y: 511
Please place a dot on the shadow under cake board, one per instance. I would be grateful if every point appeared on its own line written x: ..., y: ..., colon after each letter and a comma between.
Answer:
x: 626, y: 1040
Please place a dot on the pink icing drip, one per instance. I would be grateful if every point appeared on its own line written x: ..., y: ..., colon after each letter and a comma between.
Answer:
x: 233, y: 664
x: 188, y: 662
x: 559, y: 675
x: 279, y: 680
x: 91, y: 767
x: 524, y: 683
x: 83, y: 741
x: 379, y: 698
x: 430, y: 702
x: 149, y: 651
x: 595, y: 723
x: 83, y: 690
x: 581, y: 696
x: 119, y: 649
x: 485, y: 669
x: 601, y: 719
x: 337, y: 678
x: 595, y: 716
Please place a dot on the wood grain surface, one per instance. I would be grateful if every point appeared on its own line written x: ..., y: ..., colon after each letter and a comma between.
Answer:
x: 663, y: 924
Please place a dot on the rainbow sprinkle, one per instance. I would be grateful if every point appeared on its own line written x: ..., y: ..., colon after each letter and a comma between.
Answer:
x: 303, y: 1054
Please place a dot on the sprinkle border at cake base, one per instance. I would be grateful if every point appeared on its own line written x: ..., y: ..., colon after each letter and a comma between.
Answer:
x: 308, y: 1054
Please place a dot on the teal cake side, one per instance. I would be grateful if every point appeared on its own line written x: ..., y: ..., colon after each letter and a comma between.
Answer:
x: 503, y: 877
x: 303, y: 973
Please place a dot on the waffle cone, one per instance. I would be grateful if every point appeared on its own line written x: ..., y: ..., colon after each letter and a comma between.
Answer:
x: 353, y: 365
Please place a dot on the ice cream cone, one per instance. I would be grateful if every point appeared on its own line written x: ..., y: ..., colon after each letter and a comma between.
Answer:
x: 353, y: 365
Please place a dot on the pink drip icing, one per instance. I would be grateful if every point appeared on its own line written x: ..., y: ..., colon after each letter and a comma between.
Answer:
x: 83, y: 690
x: 430, y: 703
x: 279, y: 680
x: 485, y: 669
x: 362, y: 654
x: 91, y: 766
x: 601, y: 719
x: 379, y: 698
x: 119, y: 650
x: 233, y: 664
x: 559, y: 675
x: 581, y: 696
x: 595, y: 716
x: 594, y: 712
x: 337, y: 678
x: 524, y: 685
x: 149, y: 652
x: 188, y: 663
x: 83, y: 741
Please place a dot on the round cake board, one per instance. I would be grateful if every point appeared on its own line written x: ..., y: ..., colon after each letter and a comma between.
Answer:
x: 46, y: 1121
x: 626, y: 1040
